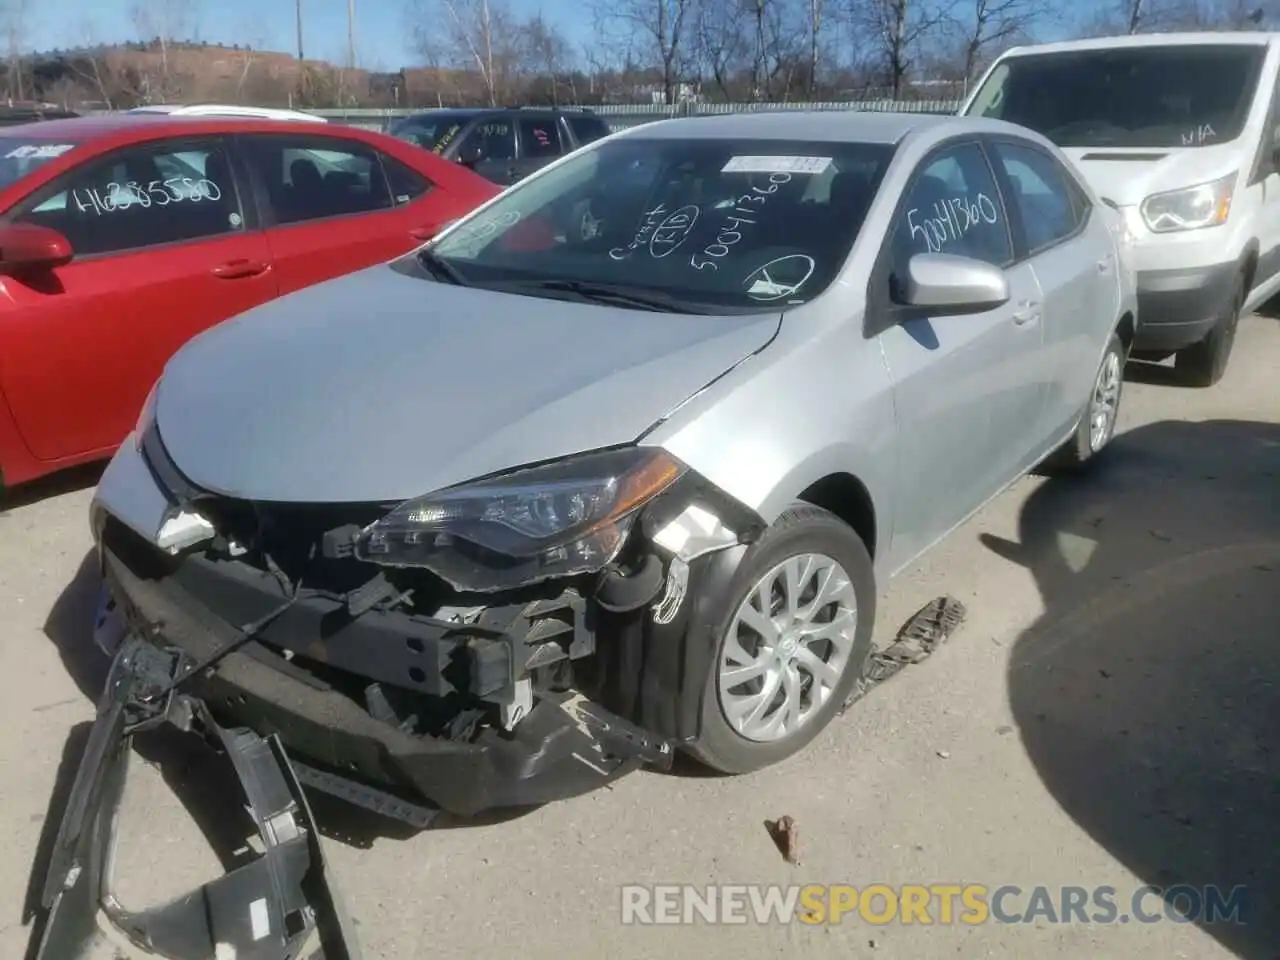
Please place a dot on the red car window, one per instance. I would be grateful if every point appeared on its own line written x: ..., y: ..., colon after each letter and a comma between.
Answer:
x: 311, y: 178
x: 141, y: 197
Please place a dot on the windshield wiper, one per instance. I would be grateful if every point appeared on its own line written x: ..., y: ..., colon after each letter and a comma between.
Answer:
x: 615, y: 294
x: 440, y: 268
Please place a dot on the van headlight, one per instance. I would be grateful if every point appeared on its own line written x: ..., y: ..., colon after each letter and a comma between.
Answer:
x: 1191, y: 208
x: 561, y: 519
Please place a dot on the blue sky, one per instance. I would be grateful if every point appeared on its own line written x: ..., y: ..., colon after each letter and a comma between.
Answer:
x: 383, y: 40
x: 383, y: 37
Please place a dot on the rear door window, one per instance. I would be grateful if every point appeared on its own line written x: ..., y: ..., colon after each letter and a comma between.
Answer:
x: 1042, y: 193
x: 540, y: 138
x: 315, y: 178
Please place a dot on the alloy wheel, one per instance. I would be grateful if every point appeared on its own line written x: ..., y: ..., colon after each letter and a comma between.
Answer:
x: 787, y: 647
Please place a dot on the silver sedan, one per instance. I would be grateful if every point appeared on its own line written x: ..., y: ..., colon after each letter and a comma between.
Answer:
x: 613, y: 465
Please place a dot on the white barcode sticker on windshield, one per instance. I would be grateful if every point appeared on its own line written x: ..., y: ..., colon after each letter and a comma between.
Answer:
x: 807, y: 165
x: 38, y: 151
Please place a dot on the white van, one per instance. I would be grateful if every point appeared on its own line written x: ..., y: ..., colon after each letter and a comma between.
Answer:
x: 1178, y: 131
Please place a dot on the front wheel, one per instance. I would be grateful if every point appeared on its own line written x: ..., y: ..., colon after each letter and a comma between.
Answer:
x: 1203, y: 364
x: 792, y: 642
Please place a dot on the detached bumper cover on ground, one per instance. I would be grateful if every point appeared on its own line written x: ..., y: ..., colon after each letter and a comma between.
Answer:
x: 273, y: 908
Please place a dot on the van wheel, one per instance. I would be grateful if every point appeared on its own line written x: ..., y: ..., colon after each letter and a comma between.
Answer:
x: 1097, y: 423
x: 1203, y: 364
x: 793, y: 640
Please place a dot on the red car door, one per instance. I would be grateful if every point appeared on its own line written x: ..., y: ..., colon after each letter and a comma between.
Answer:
x: 337, y: 204
x: 163, y: 248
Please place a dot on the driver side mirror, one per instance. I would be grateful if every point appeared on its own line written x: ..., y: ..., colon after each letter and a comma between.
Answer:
x: 471, y: 154
x: 28, y: 246
x: 950, y: 284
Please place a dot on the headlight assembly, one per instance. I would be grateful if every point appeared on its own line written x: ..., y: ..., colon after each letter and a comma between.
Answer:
x: 557, y: 520
x: 1204, y: 205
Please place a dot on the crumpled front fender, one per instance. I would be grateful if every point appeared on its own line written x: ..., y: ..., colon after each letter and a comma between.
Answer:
x: 276, y: 907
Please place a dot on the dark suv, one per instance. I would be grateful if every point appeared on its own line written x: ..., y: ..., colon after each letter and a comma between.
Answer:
x: 502, y: 144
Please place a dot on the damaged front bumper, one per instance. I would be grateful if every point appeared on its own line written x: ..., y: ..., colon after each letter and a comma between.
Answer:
x: 405, y: 696
x: 277, y: 907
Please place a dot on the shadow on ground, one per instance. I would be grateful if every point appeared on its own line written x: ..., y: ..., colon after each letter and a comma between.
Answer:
x: 54, y: 485
x: 1148, y: 695
x: 201, y: 778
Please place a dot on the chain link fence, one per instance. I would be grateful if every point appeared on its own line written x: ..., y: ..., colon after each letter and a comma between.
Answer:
x: 620, y: 116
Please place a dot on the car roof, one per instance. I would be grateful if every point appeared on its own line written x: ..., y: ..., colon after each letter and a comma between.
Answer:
x: 852, y: 126
x: 1198, y: 38
x: 226, y: 110
x: 120, y: 127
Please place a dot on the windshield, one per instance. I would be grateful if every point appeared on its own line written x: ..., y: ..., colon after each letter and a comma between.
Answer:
x: 430, y: 133
x: 705, y: 225
x: 19, y: 157
x: 1166, y: 96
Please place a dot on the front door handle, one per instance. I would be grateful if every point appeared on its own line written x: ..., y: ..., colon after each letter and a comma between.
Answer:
x: 1028, y: 312
x: 240, y: 269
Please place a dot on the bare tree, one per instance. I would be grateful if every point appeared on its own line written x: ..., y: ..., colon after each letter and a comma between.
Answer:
x: 899, y: 29
x: 478, y: 35
x: 816, y: 12
x: 654, y: 30
x: 988, y: 25
x: 163, y: 22
x: 722, y: 44
x: 15, y: 33
x: 548, y: 57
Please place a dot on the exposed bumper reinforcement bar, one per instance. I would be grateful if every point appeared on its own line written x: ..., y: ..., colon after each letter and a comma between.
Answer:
x: 276, y: 907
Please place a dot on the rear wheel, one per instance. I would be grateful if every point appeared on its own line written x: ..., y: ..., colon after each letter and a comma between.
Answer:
x: 1098, y: 418
x: 792, y: 642
x: 1203, y: 364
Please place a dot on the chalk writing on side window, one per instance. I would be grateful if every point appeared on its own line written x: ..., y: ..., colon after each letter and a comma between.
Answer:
x: 116, y: 197
x: 946, y: 221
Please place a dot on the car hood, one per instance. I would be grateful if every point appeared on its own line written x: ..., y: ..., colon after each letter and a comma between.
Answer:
x: 381, y: 386
x: 1128, y: 176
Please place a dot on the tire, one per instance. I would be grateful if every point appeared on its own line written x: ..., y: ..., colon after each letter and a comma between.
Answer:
x: 1203, y: 364
x: 1086, y: 444
x: 802, y: 530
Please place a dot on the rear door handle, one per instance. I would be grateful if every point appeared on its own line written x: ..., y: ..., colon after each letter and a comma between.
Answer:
x: 1028, y: 312
x: 240, y: 269
x: 424, y: 233
x: 1104, y: 265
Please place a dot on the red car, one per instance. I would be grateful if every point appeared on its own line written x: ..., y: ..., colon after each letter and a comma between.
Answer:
x: 121, y: 237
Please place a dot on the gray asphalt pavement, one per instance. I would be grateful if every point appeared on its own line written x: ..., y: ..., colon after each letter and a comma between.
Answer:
x: 1106, y: 716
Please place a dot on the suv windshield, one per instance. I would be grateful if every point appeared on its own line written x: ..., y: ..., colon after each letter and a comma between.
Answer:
x: 428, y: 132
x: 19, y: 157
x: 1187, y: 95
x: 684, y: 225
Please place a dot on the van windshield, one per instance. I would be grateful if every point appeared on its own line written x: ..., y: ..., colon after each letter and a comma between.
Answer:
x: 1160, y: 96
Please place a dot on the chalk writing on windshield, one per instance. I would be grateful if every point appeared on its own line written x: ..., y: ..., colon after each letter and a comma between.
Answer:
x: 745, y: 213
x: 946, y: 221
x: 38, y: 151
x: 649, y: 222
x: 673, y: 231
x: 781, y: 277
x: 473, y: 235
x: 160, y: 193
x: 1198, y: 135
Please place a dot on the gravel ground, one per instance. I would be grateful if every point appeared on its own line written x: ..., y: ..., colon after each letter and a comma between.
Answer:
x: 1106, y: 716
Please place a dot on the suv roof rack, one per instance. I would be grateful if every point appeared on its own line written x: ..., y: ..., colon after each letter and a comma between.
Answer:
x: 543, y: 108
